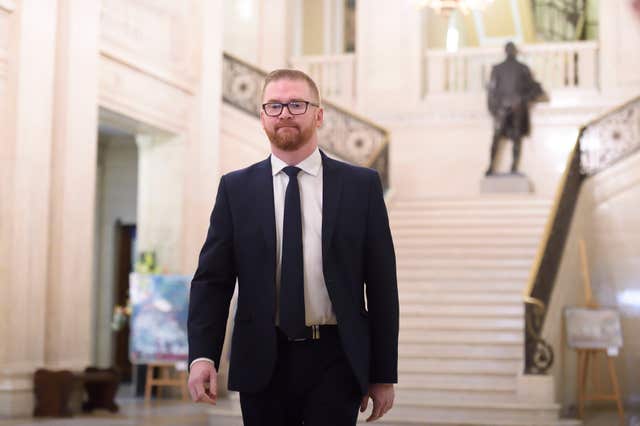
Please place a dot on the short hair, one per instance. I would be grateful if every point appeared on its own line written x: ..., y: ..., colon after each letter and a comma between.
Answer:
x: 289, y: 74
x: 510, y: 49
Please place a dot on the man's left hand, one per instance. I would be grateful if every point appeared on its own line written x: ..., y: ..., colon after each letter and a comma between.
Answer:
x: 382, y: 395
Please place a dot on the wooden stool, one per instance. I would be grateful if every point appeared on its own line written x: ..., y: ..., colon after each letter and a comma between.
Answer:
x: 101, y: 385
x: 52, y: 390
x: 165, y: 379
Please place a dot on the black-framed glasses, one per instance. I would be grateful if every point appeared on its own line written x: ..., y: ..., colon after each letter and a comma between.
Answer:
x: 274, y: 109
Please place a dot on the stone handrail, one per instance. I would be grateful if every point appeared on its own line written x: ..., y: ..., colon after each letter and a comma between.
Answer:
x: 570, y: 65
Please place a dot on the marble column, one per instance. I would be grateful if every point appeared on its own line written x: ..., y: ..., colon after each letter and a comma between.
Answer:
x: 26, y: 184
x: 260, y: 31
x: 73, y: 184
x: 619, y: 37
x: 389, y: 55
x: 275, y: 31
x: 202, y: 144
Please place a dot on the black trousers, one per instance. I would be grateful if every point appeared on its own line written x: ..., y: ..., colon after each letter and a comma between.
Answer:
x: 312, y: 385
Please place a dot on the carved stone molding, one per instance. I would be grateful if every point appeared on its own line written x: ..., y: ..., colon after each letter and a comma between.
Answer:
x: 611, y: 138
x: 158, y: 37
x: 7, y: 6
x: 132, y: 93
x: 538, y: 353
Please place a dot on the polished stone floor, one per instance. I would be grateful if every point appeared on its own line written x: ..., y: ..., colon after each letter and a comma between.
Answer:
x: 134, y: 412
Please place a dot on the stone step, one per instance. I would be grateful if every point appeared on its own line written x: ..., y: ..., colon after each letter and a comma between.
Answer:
x: 453, y: 323
x: 465, y: 241
x: 467, y: 382
x: 466, y: 223
x: 486, y: 337
x: 413, y: 395
x: 509, y: 201
x: 452, y: 273
x: 464, y: 263
x: 477, y: 253
x: 440, y: 400
x: 540, y: 214
x: 462, y: 311
x: 460, y: 366
x: 477, y: 297
x: 490, y: 233
x: 464, y: 350
x: 453, y: 286
x: 447, y: 414
x: 476, y: 422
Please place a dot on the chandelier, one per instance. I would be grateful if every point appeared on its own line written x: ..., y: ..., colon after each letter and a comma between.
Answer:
x: 447, y: 6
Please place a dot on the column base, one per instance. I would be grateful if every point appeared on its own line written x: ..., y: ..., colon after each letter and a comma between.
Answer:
x: 16, y: 396
x: 538, y: 388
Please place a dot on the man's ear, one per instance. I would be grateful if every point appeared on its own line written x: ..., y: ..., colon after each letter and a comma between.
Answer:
x: 319, y: 117
x: 262, y: 118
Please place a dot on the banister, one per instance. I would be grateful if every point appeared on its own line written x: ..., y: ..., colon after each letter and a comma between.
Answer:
x: 603, y: 133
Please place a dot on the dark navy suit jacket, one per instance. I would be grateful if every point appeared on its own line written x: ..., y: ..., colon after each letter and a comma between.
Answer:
x: 357, y: 255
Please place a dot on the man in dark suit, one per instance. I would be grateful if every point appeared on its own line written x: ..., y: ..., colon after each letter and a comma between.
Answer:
x: 511, y: 89
x: 306, y: 237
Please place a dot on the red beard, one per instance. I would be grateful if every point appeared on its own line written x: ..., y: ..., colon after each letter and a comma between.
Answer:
x: 289, y: 139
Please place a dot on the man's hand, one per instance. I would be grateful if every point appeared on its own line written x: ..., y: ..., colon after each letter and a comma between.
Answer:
x: 203, y: 372
x: 382, y: 395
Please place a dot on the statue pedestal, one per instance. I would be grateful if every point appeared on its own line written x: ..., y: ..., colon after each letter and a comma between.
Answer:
x: 506, y: 183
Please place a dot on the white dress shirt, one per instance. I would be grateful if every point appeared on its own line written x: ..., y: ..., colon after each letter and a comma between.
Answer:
x: 318, y: 309
x: 317, y: 305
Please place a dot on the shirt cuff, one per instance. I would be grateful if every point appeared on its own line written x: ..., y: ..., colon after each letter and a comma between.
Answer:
x: 201, y: 359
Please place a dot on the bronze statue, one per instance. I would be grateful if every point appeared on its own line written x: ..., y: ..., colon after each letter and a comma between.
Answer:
x: 511, y: 89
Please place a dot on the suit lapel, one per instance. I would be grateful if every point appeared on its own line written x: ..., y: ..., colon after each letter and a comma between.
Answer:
x: 265, y: 210
x: 331, y: 190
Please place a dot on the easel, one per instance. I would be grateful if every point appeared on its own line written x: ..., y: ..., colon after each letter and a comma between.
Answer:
x: 590, y: 356
x: 165, y: 380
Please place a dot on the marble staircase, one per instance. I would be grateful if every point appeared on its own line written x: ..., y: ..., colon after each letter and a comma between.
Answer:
x: 462, y: 268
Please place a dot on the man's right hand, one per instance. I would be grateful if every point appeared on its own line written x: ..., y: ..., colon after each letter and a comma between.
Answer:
x: 203, y: 372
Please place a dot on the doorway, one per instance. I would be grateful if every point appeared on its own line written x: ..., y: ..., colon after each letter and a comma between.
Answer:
x: 115, y: 230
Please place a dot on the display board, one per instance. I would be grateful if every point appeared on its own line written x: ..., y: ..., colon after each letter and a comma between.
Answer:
x: 158, y: 318
x: 593, y: 328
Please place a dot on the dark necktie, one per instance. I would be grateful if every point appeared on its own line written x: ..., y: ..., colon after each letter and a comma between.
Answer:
x: 291, y: 271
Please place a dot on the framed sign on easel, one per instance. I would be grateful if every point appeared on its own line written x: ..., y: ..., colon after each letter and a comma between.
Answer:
x: 595, y: 333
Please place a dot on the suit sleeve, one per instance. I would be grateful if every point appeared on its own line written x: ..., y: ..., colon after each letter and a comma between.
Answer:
x: 381, y: 288
x: 212, y: 285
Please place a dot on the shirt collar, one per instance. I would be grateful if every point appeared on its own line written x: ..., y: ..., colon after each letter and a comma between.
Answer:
x: 310, y: 165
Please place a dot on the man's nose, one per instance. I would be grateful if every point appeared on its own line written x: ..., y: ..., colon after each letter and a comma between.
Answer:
x: 285, y: 114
